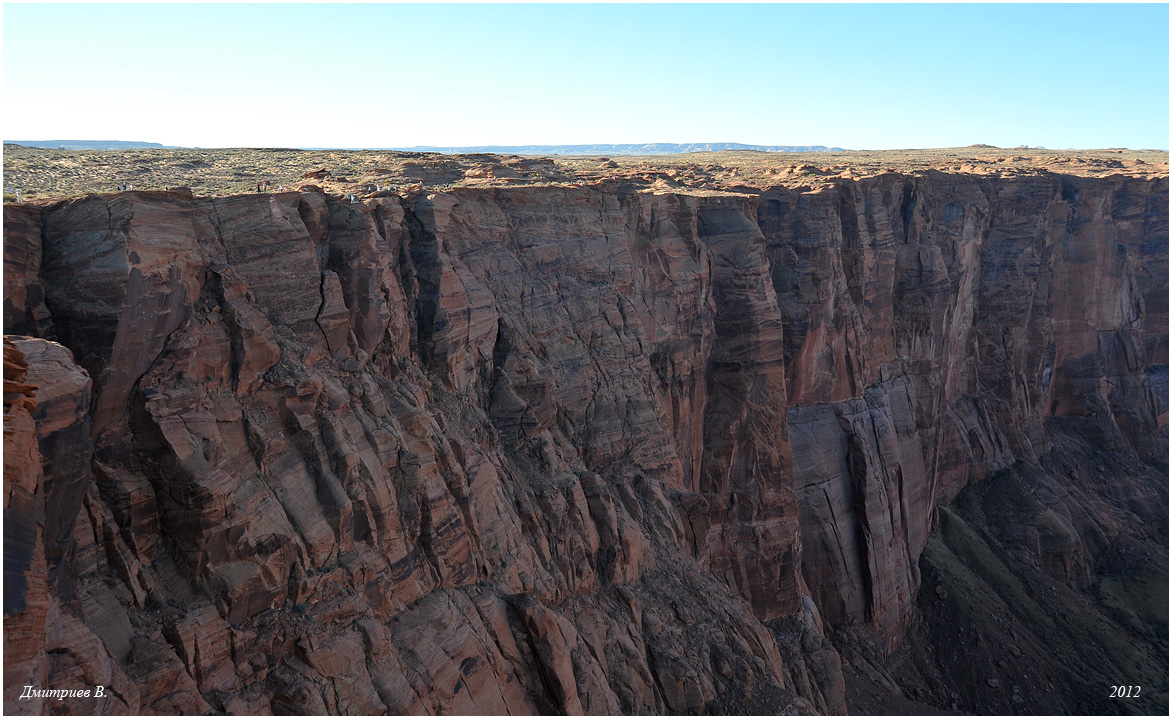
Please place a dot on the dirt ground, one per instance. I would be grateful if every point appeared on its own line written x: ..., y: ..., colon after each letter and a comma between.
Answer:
x: 44, y: 174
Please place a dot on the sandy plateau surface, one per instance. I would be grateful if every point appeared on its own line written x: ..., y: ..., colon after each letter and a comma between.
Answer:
x: 55, y: 174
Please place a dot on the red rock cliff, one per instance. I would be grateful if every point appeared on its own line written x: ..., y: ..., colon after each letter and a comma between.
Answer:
x: 547, y: 449
x: 932, y: 327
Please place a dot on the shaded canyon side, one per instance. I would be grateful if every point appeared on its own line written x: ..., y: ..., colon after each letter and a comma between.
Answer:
x: 566, y: 450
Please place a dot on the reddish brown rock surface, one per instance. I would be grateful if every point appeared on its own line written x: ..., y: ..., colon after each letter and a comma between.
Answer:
x: 933, y: 327
x: 539, y: 449
x: 26, y: 599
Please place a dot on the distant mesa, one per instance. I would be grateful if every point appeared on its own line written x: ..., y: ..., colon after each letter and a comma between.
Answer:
x: 653, y: 148
x: 91, y: 144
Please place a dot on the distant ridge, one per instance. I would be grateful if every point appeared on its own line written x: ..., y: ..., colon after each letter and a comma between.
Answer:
x: 652, y: 148
x: 90, y: 144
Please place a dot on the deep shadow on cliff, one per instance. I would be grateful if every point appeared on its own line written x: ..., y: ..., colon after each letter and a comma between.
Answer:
x: 591, y: 449
x: 1040, y: 579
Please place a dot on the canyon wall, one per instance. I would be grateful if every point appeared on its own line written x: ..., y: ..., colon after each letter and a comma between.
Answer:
x: 538, y: 449
x: 932, y: 328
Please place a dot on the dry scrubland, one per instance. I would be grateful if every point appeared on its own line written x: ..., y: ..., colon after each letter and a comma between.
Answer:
x: 51, y: 174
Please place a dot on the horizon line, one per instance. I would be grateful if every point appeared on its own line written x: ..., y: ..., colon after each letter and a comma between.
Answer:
x: 483, y: 147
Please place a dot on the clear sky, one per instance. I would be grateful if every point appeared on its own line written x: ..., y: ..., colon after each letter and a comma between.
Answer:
x: 854, y: 76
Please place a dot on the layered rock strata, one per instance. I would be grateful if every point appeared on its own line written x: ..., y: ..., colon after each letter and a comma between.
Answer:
x: 541, y: 449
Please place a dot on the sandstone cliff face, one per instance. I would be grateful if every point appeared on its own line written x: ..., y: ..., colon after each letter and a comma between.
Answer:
x: 543, y: 449
x: 26, y: 597
x: 932, y: 327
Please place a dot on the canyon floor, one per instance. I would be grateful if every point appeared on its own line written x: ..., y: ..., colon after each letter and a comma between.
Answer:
x: 731, y: 433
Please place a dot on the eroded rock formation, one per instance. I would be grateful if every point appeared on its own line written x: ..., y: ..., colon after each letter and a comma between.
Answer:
x: 549, y: 449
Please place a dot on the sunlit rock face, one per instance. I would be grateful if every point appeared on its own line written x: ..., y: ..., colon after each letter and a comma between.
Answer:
x: 538, y: 449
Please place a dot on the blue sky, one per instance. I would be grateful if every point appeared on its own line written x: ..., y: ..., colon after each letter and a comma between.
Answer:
x: 855, y: 76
